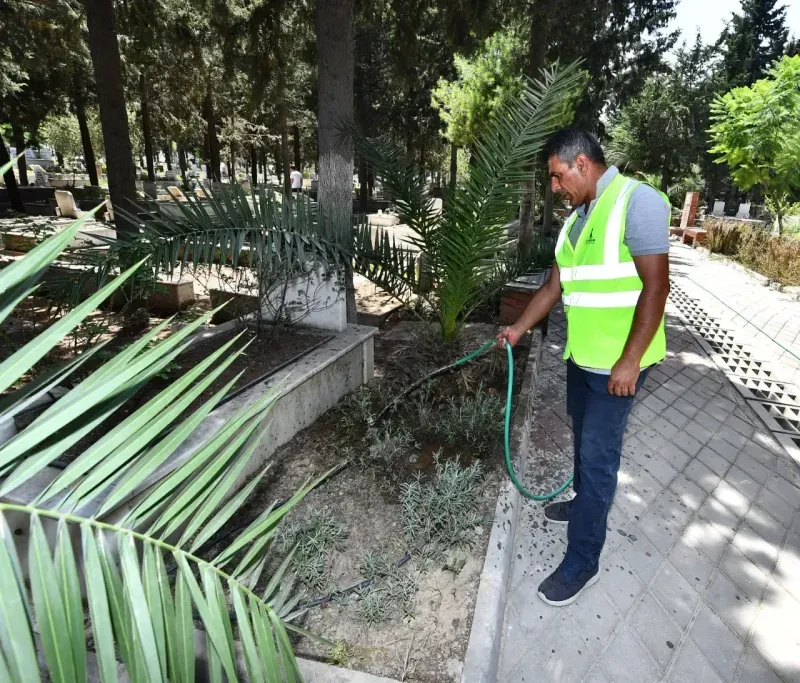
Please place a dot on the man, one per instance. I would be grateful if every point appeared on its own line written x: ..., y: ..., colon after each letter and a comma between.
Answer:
x: 612, y: 273
x: 297, y: 179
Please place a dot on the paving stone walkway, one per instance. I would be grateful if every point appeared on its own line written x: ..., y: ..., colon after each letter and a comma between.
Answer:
x: 700, y: 577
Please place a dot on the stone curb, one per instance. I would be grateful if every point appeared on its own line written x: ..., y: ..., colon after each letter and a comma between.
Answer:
x: 486, y: 635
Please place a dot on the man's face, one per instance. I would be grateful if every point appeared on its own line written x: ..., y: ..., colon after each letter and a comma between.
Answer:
x: 571, y: 182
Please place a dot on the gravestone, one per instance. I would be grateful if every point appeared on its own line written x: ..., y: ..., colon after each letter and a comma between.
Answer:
x: 719, y: 209
x: 689, y: 209
x: 40, y: 176
x: 66, y: 204
x: 744, y: 211
x: 99, y: 168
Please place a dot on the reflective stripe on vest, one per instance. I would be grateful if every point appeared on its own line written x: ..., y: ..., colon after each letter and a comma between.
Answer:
x: 601, y: 300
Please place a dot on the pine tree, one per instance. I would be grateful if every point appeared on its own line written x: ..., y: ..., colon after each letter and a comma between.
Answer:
x: 753, y: 40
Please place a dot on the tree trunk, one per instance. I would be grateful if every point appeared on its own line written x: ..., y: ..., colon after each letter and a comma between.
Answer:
x: 86, y: 139
x: 298, y: 160
x: 146, y: 132
x: 363, y: 184
x: 22, y: 162
x: 282, y: 122
x: 278, y: 162
x: 547, y: 211
x: 540, y: 36
x: 183, y: 165
x: 168, y: 155
x: 453, y: 166
x: 213, y: 140
x: 254, y: 164
x: 665, y: 178
x: 60, y: 159
x: 113, y: 112
x: 14, y: 196
x: 335, y: 61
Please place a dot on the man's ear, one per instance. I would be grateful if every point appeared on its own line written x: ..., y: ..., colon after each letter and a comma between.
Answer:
x: 582, y: 162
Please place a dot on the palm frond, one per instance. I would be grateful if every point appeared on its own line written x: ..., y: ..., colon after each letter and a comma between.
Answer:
x: 106, y: 525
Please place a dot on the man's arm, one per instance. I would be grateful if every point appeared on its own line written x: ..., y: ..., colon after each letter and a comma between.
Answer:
x: 539, y: 306
x: 654, y: 273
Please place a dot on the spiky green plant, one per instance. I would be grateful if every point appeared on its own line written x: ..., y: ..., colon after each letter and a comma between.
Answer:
x: 106, y: 526
x: 464, y: 245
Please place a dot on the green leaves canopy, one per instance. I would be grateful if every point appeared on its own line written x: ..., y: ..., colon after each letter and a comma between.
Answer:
x: 756, y: 131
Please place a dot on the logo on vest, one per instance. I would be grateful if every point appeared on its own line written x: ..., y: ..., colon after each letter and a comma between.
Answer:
x: 590, y: 239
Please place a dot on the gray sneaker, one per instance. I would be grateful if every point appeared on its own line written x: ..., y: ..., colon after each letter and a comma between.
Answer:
x: 557, y: 513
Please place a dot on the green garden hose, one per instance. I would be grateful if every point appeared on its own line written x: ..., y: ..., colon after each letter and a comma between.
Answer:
x: 507, y: 434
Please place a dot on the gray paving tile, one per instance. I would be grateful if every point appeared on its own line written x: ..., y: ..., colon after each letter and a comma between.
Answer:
x: 660, y: 469
x: 630, y: 501
x: 656, y: 631
x: 643, y: 413
x: 765, y: 456
x: 701, y: 475
x: 744, y: 428
x: 664, y: 427
x: 685, y: 407
x: 620, y: 583
x: 673, y: 509
x: 691, y: 667
x: 723, y: 447
x: 787, y: 571
x: 732, y: 604
x: 717, y: 411
x: 715, y: 462
x: 756, y: 670
x: 720, y: 645
x: 698, y: 431
x: 558, y: 656
x: 751, y: 466
x: 729, y: 496
x: 665, y: 395
x: 791, y: 494
x: 676, y: 417
x: 743, y: 482
x: 675, y: 594
x: 721, y: 517
x: 595, y: 618
x: 516, y: 643
x: 749, y: 578
x: 655, y: 404
x: 732, y: 437
x: 651, y: 438
x: 627, y: 661
x: 693, y: 565
x: 704, y: 419
x: 658, y: 530
x: 690, y: 493
x: 759, y: 551
x: 766, y: 525
x: 704, y: 536
x: 775, y: 633
x: 777, y: 506
x: 641, y: 556
x: 687, y: 443
x: 597, y: 675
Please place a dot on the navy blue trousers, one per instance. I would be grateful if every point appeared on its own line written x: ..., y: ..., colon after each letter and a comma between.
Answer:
x: 598, y: 424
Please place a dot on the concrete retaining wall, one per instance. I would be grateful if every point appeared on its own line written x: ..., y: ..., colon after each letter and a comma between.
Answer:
x: 304, y: 391
x: 483, y: 650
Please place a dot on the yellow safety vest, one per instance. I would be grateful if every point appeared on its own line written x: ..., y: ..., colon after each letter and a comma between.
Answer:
x: 600, y: 284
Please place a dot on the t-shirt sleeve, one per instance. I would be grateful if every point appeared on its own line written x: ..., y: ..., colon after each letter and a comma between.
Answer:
x: 647, y: 222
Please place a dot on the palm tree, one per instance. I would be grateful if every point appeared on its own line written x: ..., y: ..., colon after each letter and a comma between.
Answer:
x: 465, y: 246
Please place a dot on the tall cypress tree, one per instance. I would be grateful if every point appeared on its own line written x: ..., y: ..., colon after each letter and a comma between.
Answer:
x: 753, y: 40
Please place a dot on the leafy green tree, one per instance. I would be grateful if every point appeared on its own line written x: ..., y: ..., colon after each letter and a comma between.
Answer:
x: 756, y: 131
x: 485, y: 83
x: 753, y: 40
x: 64, y: 135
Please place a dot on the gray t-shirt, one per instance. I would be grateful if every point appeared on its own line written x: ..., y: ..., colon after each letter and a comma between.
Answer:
x: 646, y: 221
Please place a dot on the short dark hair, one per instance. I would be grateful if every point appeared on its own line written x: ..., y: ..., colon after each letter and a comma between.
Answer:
x: 568, y: 143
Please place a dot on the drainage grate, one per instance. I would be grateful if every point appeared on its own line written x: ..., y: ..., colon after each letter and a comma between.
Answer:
x: 776, y: 403
x: 767, y: 391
